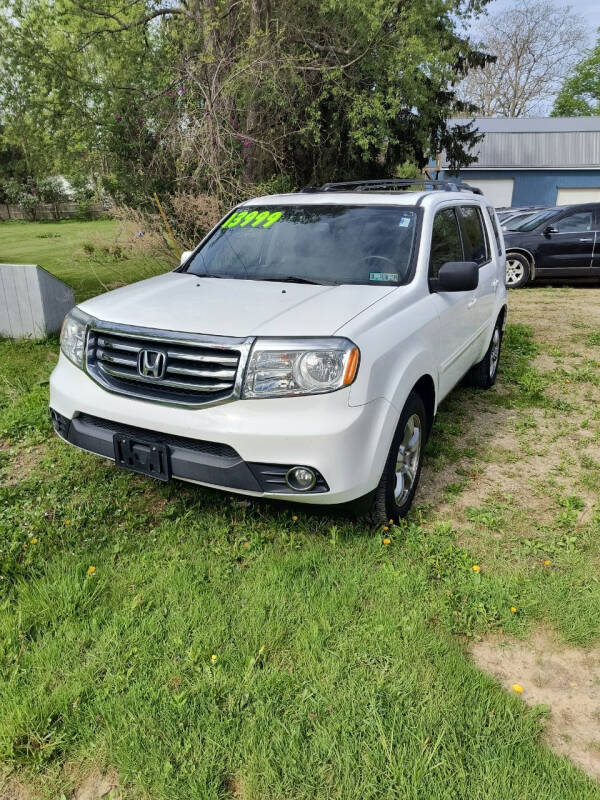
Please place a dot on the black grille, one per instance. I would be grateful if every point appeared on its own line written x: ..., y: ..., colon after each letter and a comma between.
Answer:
x: 192, y: 373
x: 199, y: 446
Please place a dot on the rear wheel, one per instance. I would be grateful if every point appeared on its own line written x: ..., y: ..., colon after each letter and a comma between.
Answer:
x: 483, y: 375
x: 517, y: 270
x: 394, y: 495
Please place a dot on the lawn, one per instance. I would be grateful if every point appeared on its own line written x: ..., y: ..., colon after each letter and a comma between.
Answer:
x: 175, y: 642
x: 90, y: 256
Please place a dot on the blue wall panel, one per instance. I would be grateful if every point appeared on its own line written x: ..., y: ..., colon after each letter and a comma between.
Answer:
x: 536, y: 186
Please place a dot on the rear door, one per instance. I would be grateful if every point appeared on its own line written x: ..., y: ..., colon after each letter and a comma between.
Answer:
x: 478, y: 248
x: 453, y: 308
x: 567, y: 246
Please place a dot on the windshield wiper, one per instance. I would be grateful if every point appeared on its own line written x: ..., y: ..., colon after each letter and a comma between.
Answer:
x: 296, y: 279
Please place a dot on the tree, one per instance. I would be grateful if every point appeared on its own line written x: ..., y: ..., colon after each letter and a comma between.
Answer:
x: 534, y: 44
x: 228, y: 97
x: 580, y: 93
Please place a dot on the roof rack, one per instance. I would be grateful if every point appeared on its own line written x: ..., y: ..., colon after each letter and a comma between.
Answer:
x: 393, y: 184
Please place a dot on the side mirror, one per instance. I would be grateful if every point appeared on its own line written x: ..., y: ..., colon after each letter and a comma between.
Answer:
x: 457, y: 276
x: 184, y: 256
x: 549, y: 229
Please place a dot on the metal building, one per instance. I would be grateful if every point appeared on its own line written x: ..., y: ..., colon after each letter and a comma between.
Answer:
x: 543, y: 161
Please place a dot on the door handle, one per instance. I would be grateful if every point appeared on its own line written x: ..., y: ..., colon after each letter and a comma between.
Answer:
x: 471, y: 303
x: 586, y: 240
x: 495, y: 283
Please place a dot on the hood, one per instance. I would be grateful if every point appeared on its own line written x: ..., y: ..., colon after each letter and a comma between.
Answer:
x: 223, y: 307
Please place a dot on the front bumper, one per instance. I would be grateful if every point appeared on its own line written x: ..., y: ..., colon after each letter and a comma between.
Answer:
x: 246, y: 446
x: 193, y: 460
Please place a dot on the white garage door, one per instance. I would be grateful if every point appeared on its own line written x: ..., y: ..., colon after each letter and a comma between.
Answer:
x: 567, y: 196
x: 498, y: 191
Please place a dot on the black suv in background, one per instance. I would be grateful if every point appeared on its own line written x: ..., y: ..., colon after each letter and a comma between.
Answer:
x: 556, y: 243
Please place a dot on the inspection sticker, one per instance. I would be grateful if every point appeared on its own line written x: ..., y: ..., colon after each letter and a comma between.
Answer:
x: 383, y: 277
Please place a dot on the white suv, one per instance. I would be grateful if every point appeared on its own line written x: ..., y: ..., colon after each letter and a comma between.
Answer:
x: 300, y: 352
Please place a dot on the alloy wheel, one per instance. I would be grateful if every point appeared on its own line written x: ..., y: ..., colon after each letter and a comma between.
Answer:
x: 514, y: 271
x: 407, y: 460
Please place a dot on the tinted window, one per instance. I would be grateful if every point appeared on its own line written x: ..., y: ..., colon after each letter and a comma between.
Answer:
x: 476, y: 248
x: 445, y: 240
x: 514, y: 223
x: 534, y: 222
x: 577, y: 222
x: 370, y: 245
x: 492, y: 216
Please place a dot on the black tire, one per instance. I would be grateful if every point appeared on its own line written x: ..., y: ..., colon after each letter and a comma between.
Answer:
x: 518, y: 270
x: 483, y: 375
x: 385, y: 505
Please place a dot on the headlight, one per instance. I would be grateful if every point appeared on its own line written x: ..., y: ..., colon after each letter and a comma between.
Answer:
x: 72, y: 336
x: 283, y: 367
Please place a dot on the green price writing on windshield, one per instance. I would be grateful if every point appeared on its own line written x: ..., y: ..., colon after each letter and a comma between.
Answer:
x: 252, y: 219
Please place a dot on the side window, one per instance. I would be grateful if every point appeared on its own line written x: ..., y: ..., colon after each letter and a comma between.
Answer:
x: 578, y: 222
x: 446, y: 244
x: 494, y: 222
x: 476, y: 245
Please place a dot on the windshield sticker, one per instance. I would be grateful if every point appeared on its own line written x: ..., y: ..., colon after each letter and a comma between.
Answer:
x: 383, y: 277
x: 404, y: 222
x: 252, y: 219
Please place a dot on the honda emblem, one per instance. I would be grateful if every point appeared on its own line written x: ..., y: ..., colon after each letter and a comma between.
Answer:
x: 152, y: 364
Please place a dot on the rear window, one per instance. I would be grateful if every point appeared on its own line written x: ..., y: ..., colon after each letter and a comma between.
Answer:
x: 492, y: 216
x: 329, y: 244
x: 476, y: 246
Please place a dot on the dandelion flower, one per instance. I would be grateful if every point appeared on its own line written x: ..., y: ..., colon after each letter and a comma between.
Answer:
x: 513, y: 610
x: 34, y: 540
x: 67, y: 522
x: 385, y: 528
x: 91, y: 570
x: 213, y: 658
x: 517, y: 688
x: 547, y: 562
x: 387, y: 541
x: 391, y: 522
x: 476, y: 568
x: 294, y: 518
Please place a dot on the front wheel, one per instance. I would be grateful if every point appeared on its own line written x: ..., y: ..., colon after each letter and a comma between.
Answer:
x: 394, y: 495
x: 517, y: 270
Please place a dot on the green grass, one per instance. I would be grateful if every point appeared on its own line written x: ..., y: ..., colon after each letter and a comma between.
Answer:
x: 89, y: 256
x: 340, y: 669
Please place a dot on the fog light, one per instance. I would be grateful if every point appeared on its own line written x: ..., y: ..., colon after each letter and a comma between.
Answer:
x: 300, y: 479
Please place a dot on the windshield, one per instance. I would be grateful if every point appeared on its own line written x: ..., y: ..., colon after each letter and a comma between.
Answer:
x: 532, y: 222
x: 324, y: 244
x: 514, y: 223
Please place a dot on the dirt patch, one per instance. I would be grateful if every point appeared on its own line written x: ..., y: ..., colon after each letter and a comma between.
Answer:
x: 14, y: 790
x: 527, y: 458
x: 97, y: 785
x: 566, y: 679
x: 235, y: 787
x: 21, y: 463
x: 94, y: 785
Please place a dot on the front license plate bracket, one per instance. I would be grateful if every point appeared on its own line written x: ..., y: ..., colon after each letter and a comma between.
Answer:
x: 145, y: 458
